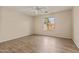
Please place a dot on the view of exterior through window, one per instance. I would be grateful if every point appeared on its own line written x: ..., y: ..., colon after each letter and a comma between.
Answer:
x: 49, y: 23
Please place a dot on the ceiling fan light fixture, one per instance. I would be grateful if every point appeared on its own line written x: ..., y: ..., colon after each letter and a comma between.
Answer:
x: 40, y: 10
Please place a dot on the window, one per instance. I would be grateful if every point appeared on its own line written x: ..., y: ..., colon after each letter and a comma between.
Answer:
x: 49, y: 23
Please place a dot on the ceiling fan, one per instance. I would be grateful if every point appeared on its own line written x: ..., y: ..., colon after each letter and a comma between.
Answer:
x: 40, y: 10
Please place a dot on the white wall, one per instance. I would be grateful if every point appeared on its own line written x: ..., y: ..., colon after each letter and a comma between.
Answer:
x: 63, y: 25
x: 76, y: 25
x: 15, y: 24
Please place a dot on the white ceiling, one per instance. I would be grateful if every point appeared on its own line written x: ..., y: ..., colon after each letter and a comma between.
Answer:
x: 51, y: 9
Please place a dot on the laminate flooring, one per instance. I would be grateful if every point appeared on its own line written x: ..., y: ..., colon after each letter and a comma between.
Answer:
x: 39, y: 44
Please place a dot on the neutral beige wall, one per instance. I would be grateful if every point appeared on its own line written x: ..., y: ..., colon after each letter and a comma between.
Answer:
x: 0, y: 23
x: 76, y: 25
x: 63, y: 24
x: 15, y: 24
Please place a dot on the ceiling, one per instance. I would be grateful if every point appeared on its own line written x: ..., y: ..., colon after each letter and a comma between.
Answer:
x: 29, y: 10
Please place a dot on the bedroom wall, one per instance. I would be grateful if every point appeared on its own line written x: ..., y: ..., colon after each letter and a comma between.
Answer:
x: 63, y: 24
x: 15, y: 24
x: 0, y: 24
x: 76, y: 25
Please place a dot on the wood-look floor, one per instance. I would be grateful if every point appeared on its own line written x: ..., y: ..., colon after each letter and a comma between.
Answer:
x: 39, y: 44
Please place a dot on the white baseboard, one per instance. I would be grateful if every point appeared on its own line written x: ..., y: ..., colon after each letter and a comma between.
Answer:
x: 12, y: 38
x: 75, y: 43
x: 56, y: 36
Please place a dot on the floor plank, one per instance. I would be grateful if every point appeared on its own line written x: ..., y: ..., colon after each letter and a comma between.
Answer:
x: 39, y: 44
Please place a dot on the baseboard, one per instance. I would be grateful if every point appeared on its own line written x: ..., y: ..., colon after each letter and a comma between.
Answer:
x: 51, y: 36
x: 76, y: 43
x: 16, y: 37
